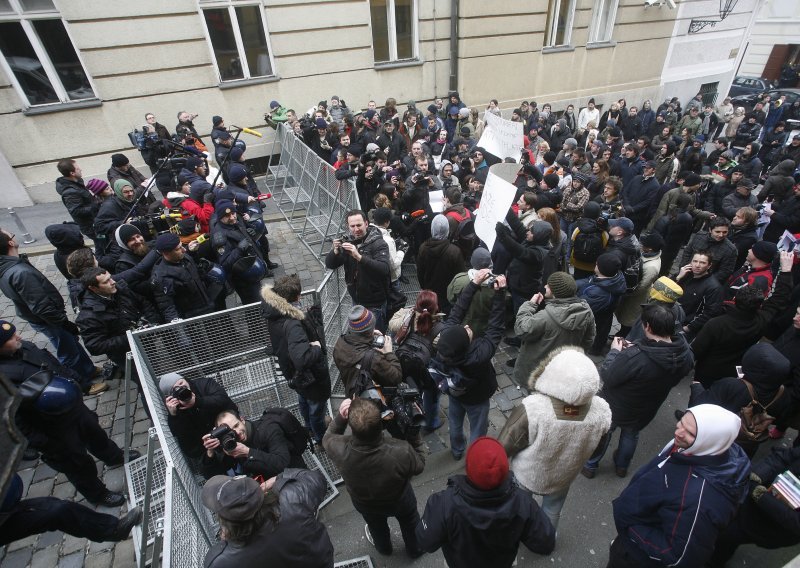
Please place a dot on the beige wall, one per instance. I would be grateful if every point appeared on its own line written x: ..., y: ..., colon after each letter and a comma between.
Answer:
x: 778, y: 22
x: 152, y: 56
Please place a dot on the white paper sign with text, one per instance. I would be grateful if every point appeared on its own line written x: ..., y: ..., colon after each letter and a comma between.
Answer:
x: 502, y: 137
x: 498, y: 195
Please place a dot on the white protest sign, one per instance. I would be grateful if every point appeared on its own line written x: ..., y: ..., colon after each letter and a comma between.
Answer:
x: 502, y: 137
x: 498, y: 195
x: 436, y: 197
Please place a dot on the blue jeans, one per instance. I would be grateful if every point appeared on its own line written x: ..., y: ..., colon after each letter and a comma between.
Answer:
x: 552, y: 505
x: 430, y: 406
x: 628, y: 439
x: 478, y: 416
x: 69, y: 351
x: 314, y: 416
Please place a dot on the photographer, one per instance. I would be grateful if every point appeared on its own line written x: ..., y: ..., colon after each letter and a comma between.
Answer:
x: 253, y: 447
x: 363, y: 348
x: 193, y: 408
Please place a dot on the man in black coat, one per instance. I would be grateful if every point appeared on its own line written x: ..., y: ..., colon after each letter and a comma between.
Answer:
x: 192, y: 414
x: 715, y: 241
x: 438, y: 261
x: 59, y: 426
x: 481, y: 517
x: 784, y: 216
x: 179, y: 288
x: 365, y: 257
x: 702, y: 293
x: 638, y: 194
x: 80, y: 203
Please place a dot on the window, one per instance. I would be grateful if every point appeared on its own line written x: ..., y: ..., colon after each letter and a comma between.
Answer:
x: 38, y: 54
x: 239, y: 42
x: 603, y: 16
x: 394, y: 36
x: 559, y: 23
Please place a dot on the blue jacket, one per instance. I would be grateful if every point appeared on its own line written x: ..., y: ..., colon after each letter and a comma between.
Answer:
x: 602, y: 294
x: 676, y: 505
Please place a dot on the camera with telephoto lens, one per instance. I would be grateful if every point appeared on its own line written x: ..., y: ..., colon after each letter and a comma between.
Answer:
x: 182, y: 393
x: 226, y: 437
x: 401, y: 408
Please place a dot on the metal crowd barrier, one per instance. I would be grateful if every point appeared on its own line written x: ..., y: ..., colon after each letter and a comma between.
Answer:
x: 307, y: 193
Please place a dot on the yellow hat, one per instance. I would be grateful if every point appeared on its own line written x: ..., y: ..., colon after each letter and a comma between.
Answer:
x: 665, y: 290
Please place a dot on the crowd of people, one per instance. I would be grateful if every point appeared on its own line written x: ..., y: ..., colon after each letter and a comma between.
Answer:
x: 678, y: 223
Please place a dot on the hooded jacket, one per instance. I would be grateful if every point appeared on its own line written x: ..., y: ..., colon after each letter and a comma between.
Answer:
x: 477, y: 528
x: 637, y: 380
x: 525, y: 270
x: 67, y: 238
x: 556, y: 429
x: 438, y: 262
x: 602, y: 294
x: 779, y: 184
x: 561, y: 322
x: 290, y: 342
x: 80, y: 203
x: 35, y: 298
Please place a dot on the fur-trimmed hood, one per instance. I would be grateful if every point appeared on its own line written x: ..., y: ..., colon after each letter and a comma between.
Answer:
x: 568, y: 375
x: 277, y: 307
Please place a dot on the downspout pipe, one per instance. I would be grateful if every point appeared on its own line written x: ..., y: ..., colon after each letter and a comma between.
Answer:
x: 453, y: 45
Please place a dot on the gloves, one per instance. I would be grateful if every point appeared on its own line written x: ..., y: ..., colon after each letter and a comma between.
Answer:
x: 756, y: 478
x: 758, y: 492
x: 71, y: 327
x: 209, y: 197
x: 243, y: 245
x: 401, y: 245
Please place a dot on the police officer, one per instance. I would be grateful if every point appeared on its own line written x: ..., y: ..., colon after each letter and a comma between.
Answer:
x: 54, y: 419
x: 239, y: 253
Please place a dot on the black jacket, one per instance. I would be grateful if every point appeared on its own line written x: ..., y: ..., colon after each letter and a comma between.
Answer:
x: 716, y: 195
x: 113, y: 212
x: 701, y: 300
x: 270, y: 453
x: 189, y: 425
x: 743, y: 238
x: 291, y: 344
x: 226, y: 240
x: 637, y: 197
x: 723, y: 254
x: 179, y: 289
x: 477, y: 528
x: 637, y: 380
x: 438, y: 261
x: 35, y: 298
x: 368, y: 280
x: 527, y: 264
x: 67, y: 238
x: 785, y: 218
x: 80, y: 203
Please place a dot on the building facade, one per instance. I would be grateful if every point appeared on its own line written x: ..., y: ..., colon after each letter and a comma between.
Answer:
x: 774, y: 42
x: 78, y: 75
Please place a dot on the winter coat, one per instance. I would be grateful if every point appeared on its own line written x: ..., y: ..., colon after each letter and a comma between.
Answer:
x: 674, y: 507
x: 733, y: 202
x: 669, y: 200
x: 743, y: 238
x: 602, y: 294
x: 291, y: 344
x: 561, y: 322
x: 67, y: 238
x: 189, y: 425
x: 630, y: 307
x: 722, y: 341
x: 368, y: 280
x: 701, y: 300
x: 477, y: 316
x: 780, y: 182
x: 748, y: 275
x: 133, y: 176
x: 438, y: 262
x: 637, y: 197
x: 80, y: 203
x: 556, y: 429
x: 376, y: 472
x: 525, y: 270
x: 637, y: 380
x: 180, y: 290
x: 477, y: 528
x: 297, y: 540
x: 112, y: 213
x: 751, y: 168
x: 35, y: 298
x: 723, y: 254
x: 626, y: 249
x: 785, y: 218
x: 629, y: 170
x: 716, y: 196
x: 350, y: 350
x: 585, y: 226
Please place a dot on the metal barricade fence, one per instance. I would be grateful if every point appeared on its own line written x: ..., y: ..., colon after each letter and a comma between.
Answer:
x: 307, y: 193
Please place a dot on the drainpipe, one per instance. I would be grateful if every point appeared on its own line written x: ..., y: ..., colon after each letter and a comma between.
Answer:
x: 453, y: 45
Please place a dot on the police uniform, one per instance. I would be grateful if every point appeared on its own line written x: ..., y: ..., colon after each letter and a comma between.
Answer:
x: 233, y: 244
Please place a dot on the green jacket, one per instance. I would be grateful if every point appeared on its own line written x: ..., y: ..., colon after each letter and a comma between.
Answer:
x: 478, y: 313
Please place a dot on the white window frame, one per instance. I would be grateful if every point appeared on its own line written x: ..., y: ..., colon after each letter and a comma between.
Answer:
x: 391, y: 30
x: 550, y: 34
x: 231, y: 5
x: 19, y: 14
x: 598, y: 35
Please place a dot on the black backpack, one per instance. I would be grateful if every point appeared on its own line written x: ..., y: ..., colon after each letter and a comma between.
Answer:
x: 588, y: 247
x: 465, y: 237
x: 415, y: 354
x: 296, y: 433
x: 633, y: 274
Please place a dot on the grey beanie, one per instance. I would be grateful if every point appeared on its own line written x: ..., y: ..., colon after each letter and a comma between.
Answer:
x: 440, y: 228
x: 167, y: 382
x: 571, y: 142
x: 481, y: 258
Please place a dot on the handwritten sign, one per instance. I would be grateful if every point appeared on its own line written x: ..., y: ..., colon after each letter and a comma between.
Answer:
x: 498, y: 195
x: 502, y: 137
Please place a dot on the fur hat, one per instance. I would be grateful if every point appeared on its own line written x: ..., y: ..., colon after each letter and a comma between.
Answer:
x: 361, y: 320
x: 562, y: 285
x: 486, y: 464
x: 566, y: 374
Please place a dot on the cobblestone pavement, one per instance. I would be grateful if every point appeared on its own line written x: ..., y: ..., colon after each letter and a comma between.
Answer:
x: 586, y: 528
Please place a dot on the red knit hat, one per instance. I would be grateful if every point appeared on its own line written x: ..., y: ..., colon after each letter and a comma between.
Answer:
x: 487, y: 463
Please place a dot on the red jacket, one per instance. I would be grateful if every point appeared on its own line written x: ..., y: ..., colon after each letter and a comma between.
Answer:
x: 201, y: 211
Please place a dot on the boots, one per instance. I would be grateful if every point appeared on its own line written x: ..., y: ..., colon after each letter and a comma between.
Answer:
x: 270, y: 265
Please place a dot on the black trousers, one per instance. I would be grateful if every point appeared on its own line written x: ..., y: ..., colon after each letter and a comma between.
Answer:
x: 405, y: 510
x: 43, y: 514
x: 66, y: 448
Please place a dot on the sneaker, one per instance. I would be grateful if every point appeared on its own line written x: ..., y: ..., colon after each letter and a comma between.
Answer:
x: 512, y: 341
x: 372, y: 542
x: 775, y: 434
x: 588, y: 473
x: 126, y: 524
x: 96, y: 388
x: 109, y: 499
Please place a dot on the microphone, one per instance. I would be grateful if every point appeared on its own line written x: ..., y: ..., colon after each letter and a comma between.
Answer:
x: 248, y: 131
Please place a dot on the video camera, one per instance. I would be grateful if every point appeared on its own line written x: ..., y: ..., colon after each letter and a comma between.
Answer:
x: 226, y: 436
x: 401, y: 408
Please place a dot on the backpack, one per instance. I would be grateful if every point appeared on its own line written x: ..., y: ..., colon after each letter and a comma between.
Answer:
x: 754, y: 417
x: 449, y: 380
x: 633, y: 274
x: 415, y: 353
x: 296, y: 433
x: 587, y: 247
x: 464, y: 237
x: 364, y: 380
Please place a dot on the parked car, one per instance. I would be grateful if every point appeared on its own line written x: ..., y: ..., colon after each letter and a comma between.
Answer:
x: 743, y: 85
x: 748, y: 101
